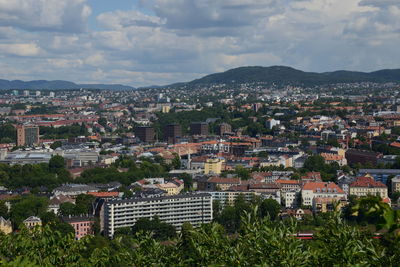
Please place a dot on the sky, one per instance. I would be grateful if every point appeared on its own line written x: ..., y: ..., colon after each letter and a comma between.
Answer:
x: 158, y: 42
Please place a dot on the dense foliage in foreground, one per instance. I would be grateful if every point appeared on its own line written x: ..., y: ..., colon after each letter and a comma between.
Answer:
x: 260, y: 242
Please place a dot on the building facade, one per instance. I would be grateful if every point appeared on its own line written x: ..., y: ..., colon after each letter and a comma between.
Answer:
x: 364, y: 186
x: 172, y: 133
x: 199, y: 128
x: 313, y: 190
x: 145, y: 134
x: 224, y: 128
x: 32, y: 222
x: 213, y: 166
x: 27, y: 135
x: 83, y: 225
x: 175, y: 210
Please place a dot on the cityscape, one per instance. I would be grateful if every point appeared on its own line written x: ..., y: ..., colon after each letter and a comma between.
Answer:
x: 235, y: 164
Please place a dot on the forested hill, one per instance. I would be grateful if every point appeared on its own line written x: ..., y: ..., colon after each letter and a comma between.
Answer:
x: 282, y: 75
x: 58, y: 85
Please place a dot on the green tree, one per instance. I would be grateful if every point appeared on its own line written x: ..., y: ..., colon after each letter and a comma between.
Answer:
x: 56, y: 144
x: 3, y: 210
x: 83, y: 203
x: 56, y: 163
x: 67, y: 209
x: 176, y: 162
x: 242, y: 172
x: 160, y: 230
x: 271, y: 208
x: 187, y: 181
x: 27, y: 206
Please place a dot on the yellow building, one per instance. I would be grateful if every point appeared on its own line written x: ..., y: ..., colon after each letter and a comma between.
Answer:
x: 213, y: 166
x: 364, y: 186
x: 172, y: 188
x: 165, y: 109
x: 32, y: 221
x: 5, y: 226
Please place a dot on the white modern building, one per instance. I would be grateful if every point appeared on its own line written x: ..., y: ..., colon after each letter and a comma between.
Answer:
x: 271, y: 123
x: 175, y: 210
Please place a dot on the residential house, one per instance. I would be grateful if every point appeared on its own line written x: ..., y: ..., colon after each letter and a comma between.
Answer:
x: 32, y: 222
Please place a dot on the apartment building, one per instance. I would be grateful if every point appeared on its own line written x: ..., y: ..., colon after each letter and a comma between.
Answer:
x: 364, y: 186
x: 213, y: 166
x: 27, y: 135
x: 313, y: 190
x: 396, y: 184
x: 227, y: 198
x: 193, y: 208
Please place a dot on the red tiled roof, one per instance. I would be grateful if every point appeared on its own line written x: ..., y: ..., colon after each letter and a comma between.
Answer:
x: 366, y: 182
x: 395, y: 144
x: 321, y: 185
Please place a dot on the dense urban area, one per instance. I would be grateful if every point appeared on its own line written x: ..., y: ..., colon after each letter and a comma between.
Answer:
x: 201, y: 174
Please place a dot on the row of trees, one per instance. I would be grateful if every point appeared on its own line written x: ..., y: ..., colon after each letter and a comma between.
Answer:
x: 48, y: 175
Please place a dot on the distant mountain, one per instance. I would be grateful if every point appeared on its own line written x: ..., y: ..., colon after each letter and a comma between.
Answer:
x: 283, y: 75
x: 58, y: 85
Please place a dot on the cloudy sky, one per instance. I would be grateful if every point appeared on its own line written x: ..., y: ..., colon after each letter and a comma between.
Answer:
x: 148, y: 42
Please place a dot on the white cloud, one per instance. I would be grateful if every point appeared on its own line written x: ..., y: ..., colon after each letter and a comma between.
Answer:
x: 120, y: 19
x: 23, y: 50
x: 45, y: 15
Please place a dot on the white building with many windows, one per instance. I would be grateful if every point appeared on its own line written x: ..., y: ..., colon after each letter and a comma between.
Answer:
x: 175, y: 210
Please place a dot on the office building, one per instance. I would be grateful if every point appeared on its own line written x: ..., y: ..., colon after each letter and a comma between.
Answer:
x: 27, y: 135
x: 199, y: 128
x: 175, y: 210
x: 172, y: 133
x: 145, y: 134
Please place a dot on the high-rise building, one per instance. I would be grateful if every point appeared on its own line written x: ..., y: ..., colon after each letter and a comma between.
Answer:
x: 199, y: 128
x: 272, y: 123
x: 26, y: 93
x: 37, y: 93
x: 175, y: 210
x: 27, y: 135
x: 145, y: 134
x: 172, y: 133
x: 224, y: 128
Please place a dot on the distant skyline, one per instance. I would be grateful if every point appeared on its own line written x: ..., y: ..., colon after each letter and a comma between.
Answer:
x: 158, y: 42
